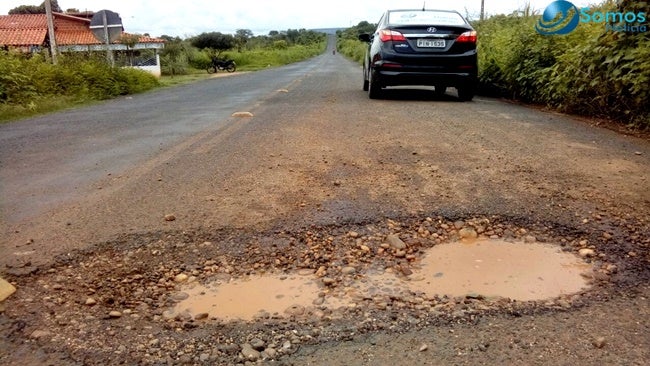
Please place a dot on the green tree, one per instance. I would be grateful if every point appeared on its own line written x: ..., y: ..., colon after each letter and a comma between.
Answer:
x: 214, y: 42
x: 241, y: 38
x: 33, y: 9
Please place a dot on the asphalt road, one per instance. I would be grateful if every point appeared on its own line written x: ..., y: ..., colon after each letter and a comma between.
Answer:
x: 316, y: 153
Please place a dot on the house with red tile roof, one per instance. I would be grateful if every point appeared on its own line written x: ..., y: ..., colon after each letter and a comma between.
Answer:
x: 29, y: 32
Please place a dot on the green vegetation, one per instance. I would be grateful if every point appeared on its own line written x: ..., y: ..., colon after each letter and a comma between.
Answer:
x: 30, y: 84
x: 348, y: 42
x: 182, y: 57
x: 592, y: 71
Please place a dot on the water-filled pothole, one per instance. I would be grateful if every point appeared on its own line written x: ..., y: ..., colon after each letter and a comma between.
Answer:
x: 249, y: 297
x: 520, y: 271
x: 489, y: 268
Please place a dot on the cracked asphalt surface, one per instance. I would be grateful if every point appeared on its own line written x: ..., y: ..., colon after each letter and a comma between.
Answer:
x: 86, y: 193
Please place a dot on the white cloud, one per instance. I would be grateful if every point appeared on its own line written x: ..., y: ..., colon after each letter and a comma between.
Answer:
x: 193, y: 17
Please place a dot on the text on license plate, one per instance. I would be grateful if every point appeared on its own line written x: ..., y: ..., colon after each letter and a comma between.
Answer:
x: 437, y: 43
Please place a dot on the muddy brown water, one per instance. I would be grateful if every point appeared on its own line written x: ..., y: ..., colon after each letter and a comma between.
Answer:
x: 520, y: 271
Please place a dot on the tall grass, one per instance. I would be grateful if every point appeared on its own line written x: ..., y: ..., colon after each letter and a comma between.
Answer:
x: 592, y: 71
x: 30, y: 84
x: 261, y: 58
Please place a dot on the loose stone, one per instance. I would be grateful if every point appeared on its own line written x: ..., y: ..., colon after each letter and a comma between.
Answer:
x: 249, y: 352
x: 395, y: 242
x: 295, y: 310
x: 599, y: 342
x: 468, y: 233
x: 257, y: 344
x: 327, y: 281
x: 586, y: 252
x: 182, y: 277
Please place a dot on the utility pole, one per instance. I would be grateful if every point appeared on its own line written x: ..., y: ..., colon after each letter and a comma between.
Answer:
x: 482, y: 9
x: 50, y: 30
x: 109, y: 53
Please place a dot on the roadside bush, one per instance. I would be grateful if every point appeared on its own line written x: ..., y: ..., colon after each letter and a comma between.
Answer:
x: 354, y: 49
x: 15, y: 82
x: 591, y: 71
x: 30, y: 79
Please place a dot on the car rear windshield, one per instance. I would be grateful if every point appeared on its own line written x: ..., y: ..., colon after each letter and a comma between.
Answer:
x: 419, y: 17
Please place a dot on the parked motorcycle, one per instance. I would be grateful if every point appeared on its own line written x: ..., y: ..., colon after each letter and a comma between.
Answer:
x: 218, y: 64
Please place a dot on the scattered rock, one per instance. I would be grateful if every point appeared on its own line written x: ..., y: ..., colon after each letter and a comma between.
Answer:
x: 327, y: 281
x: 181, y: 277
x: 586, y: 252
x: 249, y: 353
x: 201, y: 316
x: 599, y: 342
x: 38, y: 334
x: 6, y: 289
x: 395, y: 242
x: 424, y: 347
x: 115, y: 314
x: 348, y: 270
x: 170, y: 217
x: 180, y: 296
x: 468, y: 233
x: 90, y: 301
x: 295, y: 310
x: 529, y: 239
x: 242, y: 114
x: 257, y: 344
x: 270, y: 353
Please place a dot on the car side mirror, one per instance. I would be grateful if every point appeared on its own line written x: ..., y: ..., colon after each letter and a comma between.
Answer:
x: 364, y: 37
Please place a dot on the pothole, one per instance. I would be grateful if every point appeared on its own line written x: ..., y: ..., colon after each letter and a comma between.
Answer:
x: 496, y: 268
x: 487, y: 268
x: 253, y: 296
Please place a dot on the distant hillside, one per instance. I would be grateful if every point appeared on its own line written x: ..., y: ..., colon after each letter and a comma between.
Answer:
x: 328, y: 30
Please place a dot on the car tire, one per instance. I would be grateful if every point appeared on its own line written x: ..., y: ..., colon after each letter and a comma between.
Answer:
x: 465, y: 93
x: 374, y: 87
x: 366, y: 83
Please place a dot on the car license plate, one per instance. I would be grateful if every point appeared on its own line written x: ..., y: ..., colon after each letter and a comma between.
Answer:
x: 431, y: 43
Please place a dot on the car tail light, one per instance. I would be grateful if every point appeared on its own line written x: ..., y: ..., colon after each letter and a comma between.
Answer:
x: 467, y: 37
x: 386, y: 35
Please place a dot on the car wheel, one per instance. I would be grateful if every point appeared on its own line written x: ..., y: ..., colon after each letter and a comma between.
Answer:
x: 366, y: 83
x: 465, y: 93
x: 374, y: 87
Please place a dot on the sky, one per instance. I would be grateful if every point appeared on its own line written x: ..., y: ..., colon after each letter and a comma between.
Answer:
x: 192, y: 17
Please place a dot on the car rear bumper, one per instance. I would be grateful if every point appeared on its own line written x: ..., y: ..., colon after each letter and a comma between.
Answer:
x: 450, y: 70
x: 392, y: 78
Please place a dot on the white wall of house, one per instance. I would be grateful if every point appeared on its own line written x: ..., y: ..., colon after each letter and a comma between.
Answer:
x: 154, y: 69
